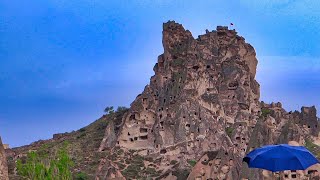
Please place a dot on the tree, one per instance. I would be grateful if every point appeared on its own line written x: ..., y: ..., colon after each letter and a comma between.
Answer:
x: 121, y: 108
x: 109, y: 110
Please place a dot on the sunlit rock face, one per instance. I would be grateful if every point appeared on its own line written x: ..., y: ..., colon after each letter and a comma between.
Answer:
x: 3, y: 163
x: 201, y: 111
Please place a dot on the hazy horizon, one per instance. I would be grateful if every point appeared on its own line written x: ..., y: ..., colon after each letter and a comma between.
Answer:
x: 63, y: 62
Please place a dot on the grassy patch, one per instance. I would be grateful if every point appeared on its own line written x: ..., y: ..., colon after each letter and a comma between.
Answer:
x: 192, y: 162
x: 315, y: 149
x: 229, y: 131
x: 265, y: 112
x: 310, y: 145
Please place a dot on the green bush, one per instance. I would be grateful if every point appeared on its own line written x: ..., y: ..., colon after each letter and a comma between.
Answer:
x: 265, y: 112
x: 121, y: 108
x: 192, y: 162
x: 229, y: 131
x: 109, y: 110
x: 45, y: 167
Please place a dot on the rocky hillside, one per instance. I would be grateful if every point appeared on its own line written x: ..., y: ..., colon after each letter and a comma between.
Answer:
x: 196, y: 119
x: 200, y: 114
x: 82, y: 146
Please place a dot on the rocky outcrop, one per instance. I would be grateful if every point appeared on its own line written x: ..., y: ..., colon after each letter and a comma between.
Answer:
x: 3, y: 163
x: 201, y: 113
x: 202, y: 89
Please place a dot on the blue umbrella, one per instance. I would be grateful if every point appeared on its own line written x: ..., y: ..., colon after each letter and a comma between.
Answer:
x: 280, y: 157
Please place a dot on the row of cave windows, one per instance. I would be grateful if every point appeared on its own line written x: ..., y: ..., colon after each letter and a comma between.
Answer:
x: 295, y: 175
x: 140, y: 138
x: 194, y: 67
x: 142, y: 130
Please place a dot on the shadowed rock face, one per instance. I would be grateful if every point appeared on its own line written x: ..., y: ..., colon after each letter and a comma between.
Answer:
x: 3, y: 163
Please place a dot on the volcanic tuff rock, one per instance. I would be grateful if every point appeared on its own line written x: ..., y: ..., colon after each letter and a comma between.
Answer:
x: 202, y: 88
x: 3, y: 163
x: 202, y: 109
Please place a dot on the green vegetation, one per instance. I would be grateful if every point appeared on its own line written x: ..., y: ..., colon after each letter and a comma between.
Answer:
x: 82, y: 148
x: 134, y: 168
x: 151, y: 172
x: 229, y: 131
x: 310, y: 145
x: 82, y: 129
x: 81, y: 176
x: 109, y: 110
x: 265, y: 112
x: 42, y: 166
x: 173, y: 162
x: 181, y: 174
x: 121, y: 108
x: 192, y: 162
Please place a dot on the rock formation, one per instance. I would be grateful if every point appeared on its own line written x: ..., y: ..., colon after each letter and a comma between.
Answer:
x: 3, y: 163
x: 202, y: 109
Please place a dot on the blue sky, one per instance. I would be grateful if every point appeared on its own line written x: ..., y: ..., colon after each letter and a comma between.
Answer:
x: 63, y: 61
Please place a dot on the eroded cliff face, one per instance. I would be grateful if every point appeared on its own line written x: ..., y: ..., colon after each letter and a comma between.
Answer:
x: 3, y: 163
x: 200, y: 114
x: 201, y: 89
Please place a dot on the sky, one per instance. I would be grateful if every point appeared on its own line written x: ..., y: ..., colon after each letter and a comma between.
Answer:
x: 63, y: 61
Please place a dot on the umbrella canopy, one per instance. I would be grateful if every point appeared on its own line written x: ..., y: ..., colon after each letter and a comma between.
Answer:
x: 280, y: 157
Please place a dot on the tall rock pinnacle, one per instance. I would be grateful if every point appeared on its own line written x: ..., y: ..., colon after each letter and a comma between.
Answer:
x: 200, y: 87
x: 201, y: 113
